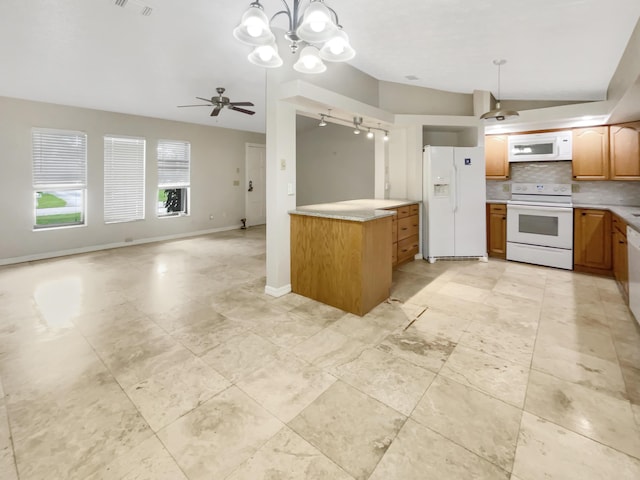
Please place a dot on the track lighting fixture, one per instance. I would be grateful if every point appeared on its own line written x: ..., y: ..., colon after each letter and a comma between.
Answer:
x: 357, y: 123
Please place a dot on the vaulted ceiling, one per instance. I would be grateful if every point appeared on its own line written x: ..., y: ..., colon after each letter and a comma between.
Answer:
x: 91, y: 53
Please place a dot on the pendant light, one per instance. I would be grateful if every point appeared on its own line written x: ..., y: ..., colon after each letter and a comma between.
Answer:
x: 498, y: 113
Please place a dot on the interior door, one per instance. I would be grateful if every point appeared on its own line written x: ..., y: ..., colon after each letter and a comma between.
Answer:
x: 255, y: 185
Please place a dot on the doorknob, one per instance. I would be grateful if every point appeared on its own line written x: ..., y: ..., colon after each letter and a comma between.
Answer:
x: 250, y: 186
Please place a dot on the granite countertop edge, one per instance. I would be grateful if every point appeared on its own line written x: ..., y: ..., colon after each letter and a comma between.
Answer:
x: 362, y: 210
x: 623, y: 211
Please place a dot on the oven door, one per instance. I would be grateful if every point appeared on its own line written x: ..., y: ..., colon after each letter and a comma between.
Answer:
x: 538, y: 225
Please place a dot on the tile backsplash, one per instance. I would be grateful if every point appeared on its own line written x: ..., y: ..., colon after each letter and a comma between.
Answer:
x: 603, y: 192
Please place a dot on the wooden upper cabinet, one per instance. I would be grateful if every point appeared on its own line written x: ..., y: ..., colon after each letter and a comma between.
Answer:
x: 625, y: 151
x: 496, y: 156
x: 591, y: 153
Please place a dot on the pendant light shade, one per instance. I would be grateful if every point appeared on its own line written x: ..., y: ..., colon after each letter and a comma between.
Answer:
x: 309, y: 61
x: 266, y: 56
x: 498, y: 113
x: 254, y: 28
x: 337, y: 48
x: 317, y: 25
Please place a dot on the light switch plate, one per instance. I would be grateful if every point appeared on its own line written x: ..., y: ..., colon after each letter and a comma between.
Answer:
x: 236, y: 183
x: 290, y: 189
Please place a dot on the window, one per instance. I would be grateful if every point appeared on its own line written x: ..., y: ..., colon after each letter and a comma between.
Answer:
x: 59, y: 177
x: 123, y: 179
x: 173, y: 177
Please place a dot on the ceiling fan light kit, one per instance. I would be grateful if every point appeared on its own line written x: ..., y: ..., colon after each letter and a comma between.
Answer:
x: 316, y: 29
x: 498, y: 113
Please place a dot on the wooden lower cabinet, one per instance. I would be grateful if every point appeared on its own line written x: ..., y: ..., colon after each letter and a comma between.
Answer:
x: 341, y: 263
x: 405, y: 234
x: 620, y: 255
x: 497, y: 230
x: 592, y: 241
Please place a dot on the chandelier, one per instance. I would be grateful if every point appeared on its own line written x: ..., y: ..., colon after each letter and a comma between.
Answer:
x: 316, y: 29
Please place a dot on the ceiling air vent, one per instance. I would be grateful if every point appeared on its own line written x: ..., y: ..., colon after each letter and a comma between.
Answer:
x: 133, y: 6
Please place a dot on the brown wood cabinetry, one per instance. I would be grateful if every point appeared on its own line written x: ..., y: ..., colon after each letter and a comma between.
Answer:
x: 624, y: 141
x: 590, y: 153
x: 497, y: 230
x: 405, y: 237
x: 341, y: 262
x: 620, y: 259
x: 592, y: 241
x: 496, y: 157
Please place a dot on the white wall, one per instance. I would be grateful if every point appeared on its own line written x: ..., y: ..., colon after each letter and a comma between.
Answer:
x: 333, y: 164
x: 217, y: 159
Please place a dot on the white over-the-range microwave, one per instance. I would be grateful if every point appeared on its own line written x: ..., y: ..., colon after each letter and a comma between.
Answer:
x: 540, y: 147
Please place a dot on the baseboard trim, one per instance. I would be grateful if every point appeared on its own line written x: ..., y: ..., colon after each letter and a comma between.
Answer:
x: 109, y: 246
x: 277, y: 292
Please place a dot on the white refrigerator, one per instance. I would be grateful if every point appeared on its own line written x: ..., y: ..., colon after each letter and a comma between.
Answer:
x: 454, y: 199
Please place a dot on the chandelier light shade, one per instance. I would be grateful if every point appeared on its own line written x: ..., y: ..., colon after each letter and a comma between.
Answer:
x: 266, y: 56
x: 314, y: 30
x: 254, y: 28
x: 337, y: 48
x: 498, y: 113
x: 317, y: 25
x: 309, y: 61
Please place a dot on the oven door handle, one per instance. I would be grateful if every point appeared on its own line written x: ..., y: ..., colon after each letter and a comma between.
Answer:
x: 538, y: 208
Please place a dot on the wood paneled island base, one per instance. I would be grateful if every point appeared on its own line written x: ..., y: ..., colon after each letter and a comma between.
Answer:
x: 343, y: 263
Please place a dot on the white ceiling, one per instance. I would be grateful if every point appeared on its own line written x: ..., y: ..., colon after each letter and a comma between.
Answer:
x: 90, y: 53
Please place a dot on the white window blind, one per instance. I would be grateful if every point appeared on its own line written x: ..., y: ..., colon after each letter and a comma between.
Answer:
x: 173, y: 164
x: 59, y: 159
x: 123, y: 179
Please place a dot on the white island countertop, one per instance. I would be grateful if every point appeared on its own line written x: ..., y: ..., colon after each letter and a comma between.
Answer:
x: 362, y: 210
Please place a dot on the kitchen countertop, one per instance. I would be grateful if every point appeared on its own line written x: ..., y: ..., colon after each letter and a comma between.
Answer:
x: 362, y: 210
x: 503, y: 202
x: 623, y: 211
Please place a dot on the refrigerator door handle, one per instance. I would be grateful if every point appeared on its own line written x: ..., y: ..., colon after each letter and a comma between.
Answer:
x: 454, y: 188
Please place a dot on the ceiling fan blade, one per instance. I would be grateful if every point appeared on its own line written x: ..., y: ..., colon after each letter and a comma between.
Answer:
x: 205, y: 99
x: 216, y: 111
x: 201, y: 105
x: 242, y: 104
x: 248, y: 112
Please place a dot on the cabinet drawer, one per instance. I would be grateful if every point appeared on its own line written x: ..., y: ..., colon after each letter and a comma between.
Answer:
x: 404, y: 211
x: 407, y: 248
x: 407, y: 227
x: 497, y: 208
x: 414, y: 209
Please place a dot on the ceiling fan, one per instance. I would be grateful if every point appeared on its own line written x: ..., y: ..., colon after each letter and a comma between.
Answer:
x: 219, y: 102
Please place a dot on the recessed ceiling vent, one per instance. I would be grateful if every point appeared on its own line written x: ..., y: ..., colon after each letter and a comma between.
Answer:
x: 134, y: 6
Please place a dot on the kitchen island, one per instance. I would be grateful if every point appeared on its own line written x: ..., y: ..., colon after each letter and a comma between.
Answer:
x: 342, y: 253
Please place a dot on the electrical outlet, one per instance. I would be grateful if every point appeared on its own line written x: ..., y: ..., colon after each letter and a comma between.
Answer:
x: 210, y: 217
x: 575, y: 188
x: 283, y: 164
x: 236, y: 183
x: 506, y: 187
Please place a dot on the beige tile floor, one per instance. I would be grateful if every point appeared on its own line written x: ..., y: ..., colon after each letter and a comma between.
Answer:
x: 167, y: 361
